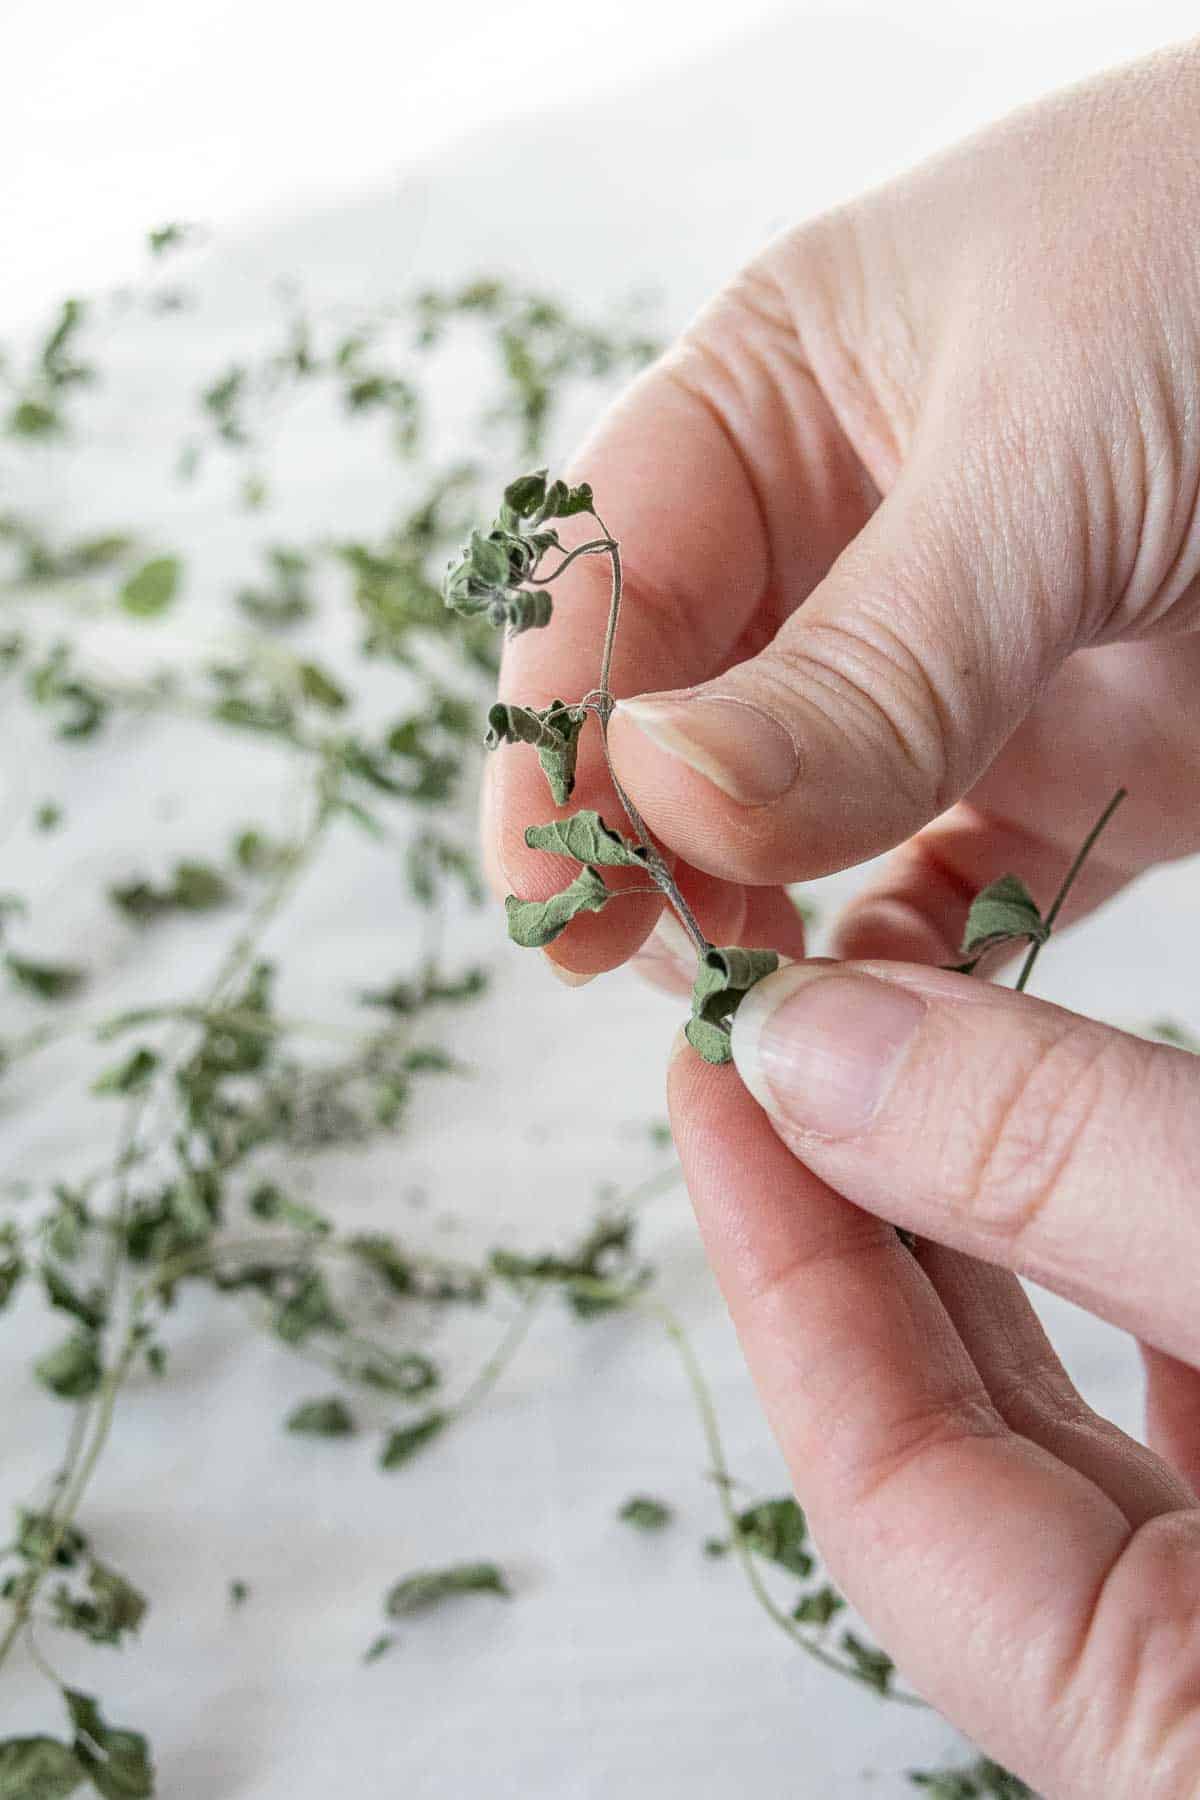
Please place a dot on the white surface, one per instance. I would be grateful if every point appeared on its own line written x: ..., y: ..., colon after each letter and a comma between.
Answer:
x: 624, y: 1667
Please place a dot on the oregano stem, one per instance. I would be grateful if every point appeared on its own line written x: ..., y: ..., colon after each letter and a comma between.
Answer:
x: 1056, y: 905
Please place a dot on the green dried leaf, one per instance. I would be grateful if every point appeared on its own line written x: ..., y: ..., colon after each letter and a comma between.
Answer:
x: 402, y: 1444
x: 113, y: 1609
x: 49, y: 981
x: 418, y: 1592
x: 73, y: 1369
x: 308, y: 1309
x: 379, y: 1647
x: 320, y: 688
x: 270, y: 1202
x: 330, y: 1417
x: 1003, y: 912
x: 88, y: 1309
x: 645, y: 1512
x: 37, y: 1531
x: 117, y: 1760
x: 535, y: 923
x: 724, y: 979
x: 874, y: 1665
x: 239, y: 1593
x: 38, y: 1768
x: 133, y: 1076
x: 818, y: 1607
x: 554, y: 732
x: 151, y: 589
x: 981, y: 1780
x: 776, y: 1530
x: 588, y: 839
x: 194, y: 887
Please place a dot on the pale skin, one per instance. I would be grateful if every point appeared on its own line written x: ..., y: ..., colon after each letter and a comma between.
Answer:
x: 911, y: 526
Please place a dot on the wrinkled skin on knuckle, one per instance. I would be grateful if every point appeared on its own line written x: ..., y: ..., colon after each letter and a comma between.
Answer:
x: 1011, y: 1137
x: 1131, y: 1689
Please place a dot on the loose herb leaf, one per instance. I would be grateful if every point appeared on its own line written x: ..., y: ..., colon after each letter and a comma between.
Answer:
x: 645, y: 1512
x: 49, y: 981
x: 427, y: 1588
x: 38, y: 1768
x: 402, y: 1444
x: 113, y: 1608
x: 117, y: 1760
x: 379, y: 1647
x: 133, y: 1076
x: 724, y: 979
x: 535, y: 923
x: 73, y: 1369
x: 330, y: 1417
x: 151, y: 589
x: 875, y: 1666
x: 239, y: 1593
x: 89, y: 1309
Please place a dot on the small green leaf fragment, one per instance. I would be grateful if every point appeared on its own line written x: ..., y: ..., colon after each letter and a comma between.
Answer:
x: 535, y: 923
x: 151, y: 589
x: 72, y: 1369
x: 646, y: 1513
x: 330, y: 1417
x: 724, y: 979
x: 416, y: 1593
x: 38, y: 1768
x: 818, y: 1607
x: 554, y: 733
x: 1002, y: 912
x: 402, y: 1444
x: 239, y: 1593
x: 133, y: 1076
x: 379, y: 1647
x: 118, y: 1761
x: 49, y: 981
x: 777, y: 1531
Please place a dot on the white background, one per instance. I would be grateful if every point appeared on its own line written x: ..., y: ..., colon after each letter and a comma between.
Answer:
x: 359, y: 146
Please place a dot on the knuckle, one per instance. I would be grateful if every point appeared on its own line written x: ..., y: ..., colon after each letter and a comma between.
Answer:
x: 1026, y: 1140
x: 1129, y: 1687
x: 872, y: 687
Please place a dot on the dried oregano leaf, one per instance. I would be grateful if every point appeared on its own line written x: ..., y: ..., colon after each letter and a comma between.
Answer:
x: 404, y: 1442
x: 535, y: 923
x: 117, y: 1761
x: 38, y: 1768
x: 588, y: 839
x: 1002, y: 912
x: 554, y: 733
x: 416, y: 1592
x: 328, y: 1417
x: 722, y: 982
x: 645, y: 1512
x: 778, y: 1531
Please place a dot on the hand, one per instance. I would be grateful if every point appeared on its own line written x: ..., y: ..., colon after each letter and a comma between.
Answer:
x: 1003, y: 346
x: 1034, y: 1572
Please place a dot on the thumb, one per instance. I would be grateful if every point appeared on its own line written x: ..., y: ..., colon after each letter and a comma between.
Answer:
x: 880, y: 700
x: 993, y: 1123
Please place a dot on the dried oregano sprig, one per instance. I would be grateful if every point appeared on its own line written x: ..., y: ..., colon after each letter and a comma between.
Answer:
x: 501, y: 576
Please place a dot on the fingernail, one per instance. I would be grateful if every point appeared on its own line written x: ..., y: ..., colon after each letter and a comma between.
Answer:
x: 819, y: 1048
x: 667, y: 960
x: 569, y: 977
x: 731, y: 742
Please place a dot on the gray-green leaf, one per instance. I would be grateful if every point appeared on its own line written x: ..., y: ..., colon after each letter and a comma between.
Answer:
x: 535, y: 923
x: 588, y: 839
x: 151, y: 589
x: 73, y: 1369
x: 330, y: 1417
x: 38, y: 1768
x: 1002, y: 912
x: 554, y: 732
x: 417, y: 1592
x: 724, y: 979
x: 403, y: 1443
x: 777, y: 1530
x: 118, y: 1761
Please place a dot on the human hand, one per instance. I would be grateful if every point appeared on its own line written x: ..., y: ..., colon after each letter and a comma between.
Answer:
x: 1004, y: 346
x: 1034, y: 1572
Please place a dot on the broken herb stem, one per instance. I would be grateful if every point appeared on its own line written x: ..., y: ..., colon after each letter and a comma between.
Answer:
x: 1056, y: 905
x: 604, y: 546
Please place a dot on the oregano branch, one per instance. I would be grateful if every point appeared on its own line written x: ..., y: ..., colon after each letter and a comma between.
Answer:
x: 499, y: 575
